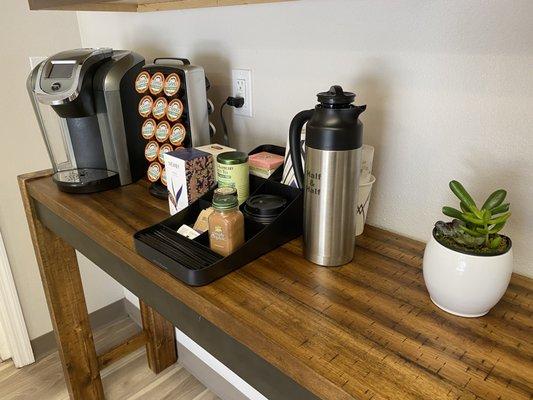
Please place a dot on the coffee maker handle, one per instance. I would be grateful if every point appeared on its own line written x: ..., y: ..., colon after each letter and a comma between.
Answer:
x: 295, y: 132
x: 184, y: 61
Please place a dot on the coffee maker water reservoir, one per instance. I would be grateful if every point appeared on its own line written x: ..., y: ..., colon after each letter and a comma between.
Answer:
x: 85, y: 103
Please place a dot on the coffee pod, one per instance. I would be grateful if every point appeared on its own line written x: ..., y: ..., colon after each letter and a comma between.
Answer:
x: 154, y: 172
x: 160, y: 108
x: 172, y: 84
x: 148, y: 129
x: 151, y: 151
x: 142, y: 82
x: 156, y: 83
x: 174, y: 110
x: 177, y: 134
x: 145, y: 106
x: 164, y: 149
x: 162, y: 131
x: 164, y: 176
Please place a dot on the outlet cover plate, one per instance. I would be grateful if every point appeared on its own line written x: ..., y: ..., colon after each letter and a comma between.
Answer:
x: 240, y: 78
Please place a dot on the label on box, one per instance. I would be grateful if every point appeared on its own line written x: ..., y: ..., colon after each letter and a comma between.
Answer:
x: 176, y: 184
x: 189, y: 176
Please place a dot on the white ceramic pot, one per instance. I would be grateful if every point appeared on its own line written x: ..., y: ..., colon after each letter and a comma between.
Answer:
x: 463, y: 284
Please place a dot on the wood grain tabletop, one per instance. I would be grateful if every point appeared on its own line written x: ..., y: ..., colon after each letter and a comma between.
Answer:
x: 366, y: 330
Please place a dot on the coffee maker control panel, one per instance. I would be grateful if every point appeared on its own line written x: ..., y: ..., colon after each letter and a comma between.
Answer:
x: 60, y: 77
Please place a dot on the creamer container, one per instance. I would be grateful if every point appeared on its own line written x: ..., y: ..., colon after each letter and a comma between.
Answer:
x: 174, y: 110
x: 154, y: 172
x: 162, y: 151
x: 156, y: 83
x: 172, y: 84
x: 233, y: 171
x: 142, y: 82
x: 162, y: 131
x: 145, y: 106
x: 226, y: 224
x: 151, y: 151
x: 177, y: 134
x: 160, y: 108
x: 148, y: 129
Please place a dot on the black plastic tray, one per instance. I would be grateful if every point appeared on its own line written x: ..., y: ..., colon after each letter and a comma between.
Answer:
x: 260, y: 239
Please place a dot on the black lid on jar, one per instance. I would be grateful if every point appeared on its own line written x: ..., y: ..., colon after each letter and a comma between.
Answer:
x: 264, y: 208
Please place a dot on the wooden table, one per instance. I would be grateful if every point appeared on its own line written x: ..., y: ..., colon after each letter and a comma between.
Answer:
x: 291, y: 329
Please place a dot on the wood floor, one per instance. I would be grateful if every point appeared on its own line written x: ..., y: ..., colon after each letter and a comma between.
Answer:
x: 129, y: 378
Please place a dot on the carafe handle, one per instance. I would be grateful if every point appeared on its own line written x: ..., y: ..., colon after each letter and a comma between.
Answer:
x: 295, y: 132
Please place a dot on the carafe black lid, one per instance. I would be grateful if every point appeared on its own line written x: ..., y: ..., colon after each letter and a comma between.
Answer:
x: 336, y: 96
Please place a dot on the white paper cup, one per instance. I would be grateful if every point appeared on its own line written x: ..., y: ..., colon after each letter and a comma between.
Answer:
x: 363, y: 200
x: 367, y: 158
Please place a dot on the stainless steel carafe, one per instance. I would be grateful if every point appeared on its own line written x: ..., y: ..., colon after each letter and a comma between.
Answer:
x: 333, y: 141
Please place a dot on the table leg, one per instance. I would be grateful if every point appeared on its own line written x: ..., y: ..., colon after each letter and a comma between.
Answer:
x: 66, y: 301
x: 161, y: 344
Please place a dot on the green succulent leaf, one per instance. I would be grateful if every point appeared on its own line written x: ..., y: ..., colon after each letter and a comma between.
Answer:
x: 496, y: 228
x: 500, y: 219
x: 495, y: 199
x: 471, y: 232
x: 463, y: 196
x: 452, y: 212
x: 464, y: 207
x: 494, y: 243
x: 500, y: 209
x: 486, y: 215
x: 469, y: 217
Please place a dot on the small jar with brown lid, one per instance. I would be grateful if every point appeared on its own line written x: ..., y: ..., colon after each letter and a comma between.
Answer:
x: 226, y: 223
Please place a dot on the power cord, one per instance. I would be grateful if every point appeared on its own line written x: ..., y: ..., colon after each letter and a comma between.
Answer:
x: 236, y: 102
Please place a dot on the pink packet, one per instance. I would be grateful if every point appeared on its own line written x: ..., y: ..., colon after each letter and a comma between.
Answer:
x: 265, y: 160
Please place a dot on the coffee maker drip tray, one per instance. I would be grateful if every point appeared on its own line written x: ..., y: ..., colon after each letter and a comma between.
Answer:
x: 86, y: 180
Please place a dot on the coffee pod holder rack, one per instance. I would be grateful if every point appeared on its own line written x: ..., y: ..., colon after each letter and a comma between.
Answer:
x: 189, y: 93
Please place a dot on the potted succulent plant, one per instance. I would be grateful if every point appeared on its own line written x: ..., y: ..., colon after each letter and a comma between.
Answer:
x: 467, y: 262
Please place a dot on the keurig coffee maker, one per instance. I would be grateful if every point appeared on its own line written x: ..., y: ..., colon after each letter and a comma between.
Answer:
x: 85, y: 102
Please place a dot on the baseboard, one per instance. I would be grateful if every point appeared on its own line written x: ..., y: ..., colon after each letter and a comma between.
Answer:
x: 46, y: 344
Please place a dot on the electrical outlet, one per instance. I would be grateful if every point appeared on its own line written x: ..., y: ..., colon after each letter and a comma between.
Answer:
x: 242, y: 87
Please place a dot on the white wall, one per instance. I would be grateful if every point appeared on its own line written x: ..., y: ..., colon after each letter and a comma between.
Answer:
x: 25, y: 34
x: 448, y: 85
